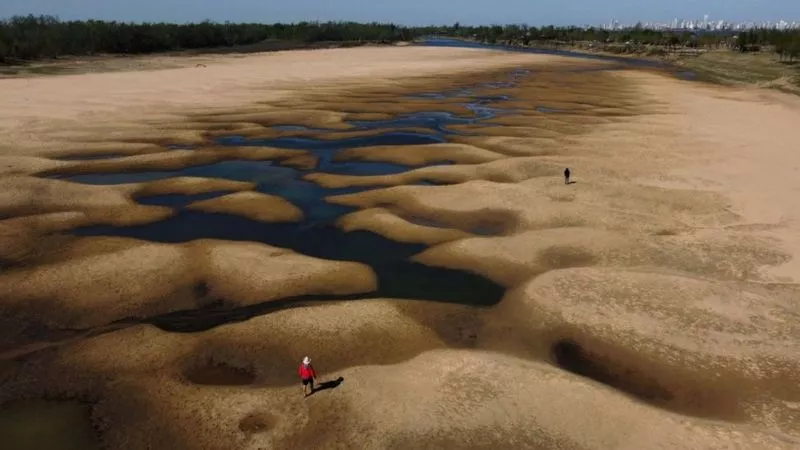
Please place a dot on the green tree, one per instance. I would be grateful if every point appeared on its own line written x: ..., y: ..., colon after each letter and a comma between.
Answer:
x: 793, y: 49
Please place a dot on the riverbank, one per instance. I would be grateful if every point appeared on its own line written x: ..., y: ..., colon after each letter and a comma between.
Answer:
x: 150, y: 300
x: 721, y: 66
x: 39, y: 114
x: 74, y: 65
x: 760, y: 69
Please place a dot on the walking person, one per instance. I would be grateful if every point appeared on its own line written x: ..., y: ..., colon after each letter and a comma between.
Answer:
x: 307, y: 375
x: 566, y: 175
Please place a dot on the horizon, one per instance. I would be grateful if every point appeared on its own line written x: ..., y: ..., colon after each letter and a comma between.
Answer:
x: 410, y: 13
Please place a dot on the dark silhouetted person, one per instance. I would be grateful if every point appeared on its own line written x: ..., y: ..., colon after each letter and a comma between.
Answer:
x: 307, y: 375
x: 566, y: 175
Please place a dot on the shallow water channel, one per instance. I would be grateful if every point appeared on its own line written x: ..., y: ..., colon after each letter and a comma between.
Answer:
x: 316, y: 235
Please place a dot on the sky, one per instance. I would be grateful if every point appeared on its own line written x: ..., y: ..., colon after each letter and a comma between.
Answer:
x: 409, y: 12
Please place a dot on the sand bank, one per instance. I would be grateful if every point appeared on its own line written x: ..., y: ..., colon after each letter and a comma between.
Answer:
x: 254, y: 205
x: 35, y: 109
x: 655, y: 293
x: 98, y: 281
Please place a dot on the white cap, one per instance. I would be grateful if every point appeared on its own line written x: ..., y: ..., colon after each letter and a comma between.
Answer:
x: 306, y: 360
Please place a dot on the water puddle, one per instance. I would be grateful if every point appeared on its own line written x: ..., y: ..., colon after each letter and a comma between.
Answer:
x: 179, y: 200
x: 44, y: 424
x: 545, y: 109
x: 316, y: 234
x: 118, y: 178
x: 308, y: 143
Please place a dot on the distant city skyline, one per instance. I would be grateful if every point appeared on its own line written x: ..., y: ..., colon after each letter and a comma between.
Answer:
x: 706, y: 23
x: 412, y: 12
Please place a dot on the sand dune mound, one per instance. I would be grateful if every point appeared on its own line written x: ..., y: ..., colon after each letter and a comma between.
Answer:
x: 253, y: 205
x: 156, y: 394
x: 405, y: 409
x: 267, y: 346
x: 392, y: 398
x: 311, y: 118
x: 133, y: 280
x: 692, y: 345
x: 246, y: 273
x: 28, y: 165
x: 383, y: 222
x: 418, y: 155
x: 515, y: 146
x: 542, y: 203
x: 502, y: 171
x: 99, y: 289
x: 640, y: 311
x: 445, y: 204
x: 183, y: 185
x: 513, y: 259
x: 26, y: 196
x: 28, y: 238
x: 510, y: 260
x: 171, y: 160
x: 100, y: 149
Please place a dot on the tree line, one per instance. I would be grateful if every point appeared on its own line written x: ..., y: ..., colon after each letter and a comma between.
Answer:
x: 784, y: 42
x: 37, y: 37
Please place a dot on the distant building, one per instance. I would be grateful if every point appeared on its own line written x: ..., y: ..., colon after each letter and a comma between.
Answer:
x: 705, y: 24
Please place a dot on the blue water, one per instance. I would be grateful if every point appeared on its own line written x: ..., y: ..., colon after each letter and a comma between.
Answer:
x: 179, y: 200
x: 325, y: 147
x: 624, y: 61
x: 317, y: 235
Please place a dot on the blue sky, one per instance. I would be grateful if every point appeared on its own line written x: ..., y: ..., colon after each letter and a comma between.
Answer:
x: 410, y: 12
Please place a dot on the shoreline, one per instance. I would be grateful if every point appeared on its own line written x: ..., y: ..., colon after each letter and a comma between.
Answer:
x: 224, y: 82
x: 716, y: 66
x: 102, y: 63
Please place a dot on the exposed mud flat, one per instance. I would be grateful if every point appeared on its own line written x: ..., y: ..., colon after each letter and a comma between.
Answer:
x: 416, y: 239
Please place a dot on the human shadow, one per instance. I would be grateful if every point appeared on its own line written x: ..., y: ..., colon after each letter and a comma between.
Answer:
x: 571, y: 182
x: 333, y: 384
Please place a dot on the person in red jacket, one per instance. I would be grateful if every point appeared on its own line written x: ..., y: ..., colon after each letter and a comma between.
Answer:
x: 307, y: 375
